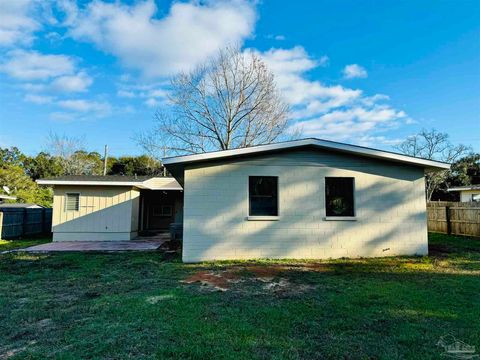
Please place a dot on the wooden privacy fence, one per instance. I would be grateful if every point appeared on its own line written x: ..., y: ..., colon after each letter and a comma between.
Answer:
x: 17, y: 223
x: 454, y: 218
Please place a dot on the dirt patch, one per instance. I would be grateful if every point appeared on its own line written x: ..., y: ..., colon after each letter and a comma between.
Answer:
x: 219, y: 281
x: 266, y: 273
x: 275, y: 278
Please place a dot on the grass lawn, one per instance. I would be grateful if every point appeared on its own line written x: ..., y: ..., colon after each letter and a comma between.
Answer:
x: 20, y: 244
x: 143, y: 305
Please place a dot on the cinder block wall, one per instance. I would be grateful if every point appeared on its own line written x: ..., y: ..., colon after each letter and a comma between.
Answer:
x: 389, y: 201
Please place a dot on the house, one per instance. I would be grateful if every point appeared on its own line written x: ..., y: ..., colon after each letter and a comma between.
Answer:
x: 468, y: 193
x: 306, y: 198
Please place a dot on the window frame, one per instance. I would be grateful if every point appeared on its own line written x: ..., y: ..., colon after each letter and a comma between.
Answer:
x: 263, y: 217
x: 354, y: 205
x: 66, y: 201
x: 162, y: 214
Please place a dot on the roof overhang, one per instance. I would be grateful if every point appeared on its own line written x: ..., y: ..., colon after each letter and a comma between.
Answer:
x: 176, y: 164
x: 150, y: 184
x: 465, y: 188
x: 7, y: 197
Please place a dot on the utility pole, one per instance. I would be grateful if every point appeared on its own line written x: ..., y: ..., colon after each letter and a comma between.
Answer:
x: 164, y: 156
x: 105, y: 157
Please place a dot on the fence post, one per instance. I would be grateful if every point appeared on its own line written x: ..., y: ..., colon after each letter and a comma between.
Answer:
x: 1, y: 223
x: 24, y: 222
x: 43, y: 221
x: 447, y: 216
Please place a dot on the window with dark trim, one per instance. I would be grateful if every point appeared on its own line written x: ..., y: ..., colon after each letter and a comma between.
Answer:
x: 72, y: 202
x: 162, y: 211
x: 339, y: 198
x: 263, y: 195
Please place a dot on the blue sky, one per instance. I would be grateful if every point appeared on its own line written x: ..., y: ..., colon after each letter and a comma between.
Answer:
x: 365, y: 72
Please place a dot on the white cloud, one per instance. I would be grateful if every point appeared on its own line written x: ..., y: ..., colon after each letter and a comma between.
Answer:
x: 126, y: 94
x: 305, y: 96
x: 62, y: 116
x: 328, y: 111
x: 186, y: 36
x: 32, y: 65
x: 40, y: 68
x: 16, y: 23
x: 38, y: 99
x: 353, y: 71
x: 99, y: 109
x: 72, y: 83
x: 151, y: 102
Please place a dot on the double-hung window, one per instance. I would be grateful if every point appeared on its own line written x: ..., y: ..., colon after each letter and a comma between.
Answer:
x: 339, y: 197
x: 263, y: 195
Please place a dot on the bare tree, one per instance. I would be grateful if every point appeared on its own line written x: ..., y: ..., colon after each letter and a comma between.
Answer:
x: 70, y: 153
x: 229, y: 102
x: 433, y: 145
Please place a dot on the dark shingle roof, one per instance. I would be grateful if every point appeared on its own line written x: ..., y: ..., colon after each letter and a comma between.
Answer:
x: 18, y: 205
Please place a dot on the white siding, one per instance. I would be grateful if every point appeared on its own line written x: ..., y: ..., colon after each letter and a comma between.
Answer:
x: 466, y: 195
x: 105, y: 213
x: 390, y: 209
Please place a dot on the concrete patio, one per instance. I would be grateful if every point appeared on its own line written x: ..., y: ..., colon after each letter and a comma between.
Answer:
x: 61, y: 246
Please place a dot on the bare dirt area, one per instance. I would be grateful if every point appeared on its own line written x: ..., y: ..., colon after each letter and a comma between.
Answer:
x: 268, y: 278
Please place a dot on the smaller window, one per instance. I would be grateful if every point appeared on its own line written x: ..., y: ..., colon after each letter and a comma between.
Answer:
x: 339, y: 199
x: 72, y: 202
x: 162, y: 211
x: 263, y: 194
x: 476, y: 197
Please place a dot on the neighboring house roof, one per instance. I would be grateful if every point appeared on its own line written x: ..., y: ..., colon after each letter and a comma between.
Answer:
x: 175, y: 164
x: 7, y: 197
x: 142, y: 182
x: 465, y: 188
x: 20, y: 206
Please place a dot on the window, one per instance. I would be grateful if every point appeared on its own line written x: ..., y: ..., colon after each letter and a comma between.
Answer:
x: 339, y: 196
x: 164, y: 210
x: 263, y: 195
x: 72, y: 202
x: 476, y: 197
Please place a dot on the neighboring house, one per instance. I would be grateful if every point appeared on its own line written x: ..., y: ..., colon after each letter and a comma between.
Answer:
x: 6, y: 197
x: 307, y: 198
x: 20, y: 206
x: 468, y: 193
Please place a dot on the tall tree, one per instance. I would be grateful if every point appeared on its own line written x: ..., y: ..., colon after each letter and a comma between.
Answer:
x: 229, y: 102
x: 73, y: 159
x: 433, y: 145
x: 23, y: 187
x: 465, y: 171
x: 139, y: 165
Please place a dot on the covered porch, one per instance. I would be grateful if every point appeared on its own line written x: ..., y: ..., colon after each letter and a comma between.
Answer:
x: 160, y: 212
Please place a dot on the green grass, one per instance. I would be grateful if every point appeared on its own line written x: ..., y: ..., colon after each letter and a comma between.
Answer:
x: 22, y: 243
x: 134, y: 305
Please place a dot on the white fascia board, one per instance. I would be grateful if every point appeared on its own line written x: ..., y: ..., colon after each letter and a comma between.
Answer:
x: 89, y: 183
x: 464, y: 188
x: 353, y: 149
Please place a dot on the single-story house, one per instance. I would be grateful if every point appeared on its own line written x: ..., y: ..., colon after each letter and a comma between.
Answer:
x: 468, y: 193
x: 306, y: 198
